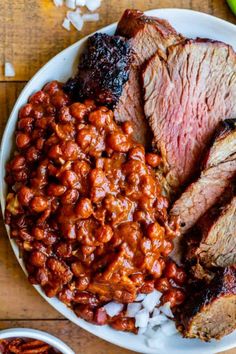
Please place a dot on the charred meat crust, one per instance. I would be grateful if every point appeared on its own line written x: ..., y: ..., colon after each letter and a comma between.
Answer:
x: 223, y: 286
x: 103, y: 70
x: 137, y: 20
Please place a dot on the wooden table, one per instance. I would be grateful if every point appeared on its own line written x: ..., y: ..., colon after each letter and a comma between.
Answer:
x: 30, y: 34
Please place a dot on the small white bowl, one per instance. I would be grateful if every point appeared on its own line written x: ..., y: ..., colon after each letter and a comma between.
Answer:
x: 35, y: 334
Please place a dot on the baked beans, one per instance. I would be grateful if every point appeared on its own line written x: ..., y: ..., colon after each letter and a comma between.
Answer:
x: 86, y: 208
x: 25, y: 346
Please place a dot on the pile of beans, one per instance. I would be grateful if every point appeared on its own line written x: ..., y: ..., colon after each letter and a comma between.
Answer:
x: 25, y: 346
x: 86, y: 208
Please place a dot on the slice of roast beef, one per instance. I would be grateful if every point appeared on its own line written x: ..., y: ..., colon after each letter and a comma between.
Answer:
x: 218, y: 245
x: 186, y: 95
x: 147, y: 35
x: 219, y: 169
x: 224, y: 143
x: 130, y: 108
x: 200, y: 230
x: 210, y: 310
x: 202, y: 194
x: 199, y: 197
x: 103, y: 70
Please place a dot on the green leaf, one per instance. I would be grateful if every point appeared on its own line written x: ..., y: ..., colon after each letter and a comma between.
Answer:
x: 232, y: 5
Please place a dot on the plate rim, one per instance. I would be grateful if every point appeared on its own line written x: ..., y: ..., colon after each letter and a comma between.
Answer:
x: 54, y: 302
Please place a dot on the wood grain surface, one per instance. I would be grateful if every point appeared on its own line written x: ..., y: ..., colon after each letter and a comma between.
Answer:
x: 31, y: 34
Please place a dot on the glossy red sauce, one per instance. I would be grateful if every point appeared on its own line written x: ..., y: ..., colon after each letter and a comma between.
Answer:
x: 86, y: 207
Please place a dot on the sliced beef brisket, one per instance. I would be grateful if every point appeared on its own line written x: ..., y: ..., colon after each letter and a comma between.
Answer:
x: 224, y: 143
x: 210, y: 311
x: 202, y: 194
x: 219, y: 169
x: 130, y: 108
x: 218, y: 245
x: 186, y: 95
x: 147, y: 35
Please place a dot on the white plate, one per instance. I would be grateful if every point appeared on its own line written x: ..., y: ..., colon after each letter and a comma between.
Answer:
x: 61, y: 67
x: 34, y: 334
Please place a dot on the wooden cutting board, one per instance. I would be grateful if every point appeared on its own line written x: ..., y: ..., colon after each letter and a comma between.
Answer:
x: 31, y: 34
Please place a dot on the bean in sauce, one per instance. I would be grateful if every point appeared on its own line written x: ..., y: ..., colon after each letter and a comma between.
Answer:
x: 86, y: 207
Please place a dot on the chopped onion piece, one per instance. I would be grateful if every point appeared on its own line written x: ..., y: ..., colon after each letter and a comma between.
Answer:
x: 93, y: 5
x: 80, y: 2
x: 133, y: 309
x: 157, y: 320
x: 150, y: 332
x: 76, y: 19
x: 70, y: 4
x: 156, y: 312
x: 166, y: 310
x: 58, y: 3
x: 141, y: 318
x: 142, y: 330
x: 158, y: 341
x: 113, y: 308
x: 9, y: 70
x: 169, y: 328
x: 140, y: 297
x: 151, y: 300
x: 90, y: 17
x: 66, y: 24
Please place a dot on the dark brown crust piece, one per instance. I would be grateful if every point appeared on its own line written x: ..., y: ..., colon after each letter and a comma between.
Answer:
x: 137, y: 20
x: 202, y: 297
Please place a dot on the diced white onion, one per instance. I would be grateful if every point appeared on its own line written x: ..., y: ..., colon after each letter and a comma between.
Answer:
x: 66, y: 24
x: 166, y: 310
x: 152, y: 322
x: 113, y: 308
x: 156, y: 312
x: 133, y: 309
x: 9, y: 70
x: 80, y: 2
x: 70, y: 4
x: 151, y: 300
x: 76, y: 19
x: 150, y: 332
x: 157, y: 342
x: 142, y: 330
x: 140, y: 297
x: 169, y: 328
x: 58, y: 3
x: 90, y: 17
x: 141, y: 318
x: 93, y: 5
x: 157, y: 320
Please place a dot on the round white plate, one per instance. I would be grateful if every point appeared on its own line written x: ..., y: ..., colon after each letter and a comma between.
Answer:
x: 34, y: 334
x: 61, y: 67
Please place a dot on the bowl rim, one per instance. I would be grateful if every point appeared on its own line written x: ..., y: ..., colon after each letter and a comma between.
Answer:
x: 97, y: 330
x: 36, y: 334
